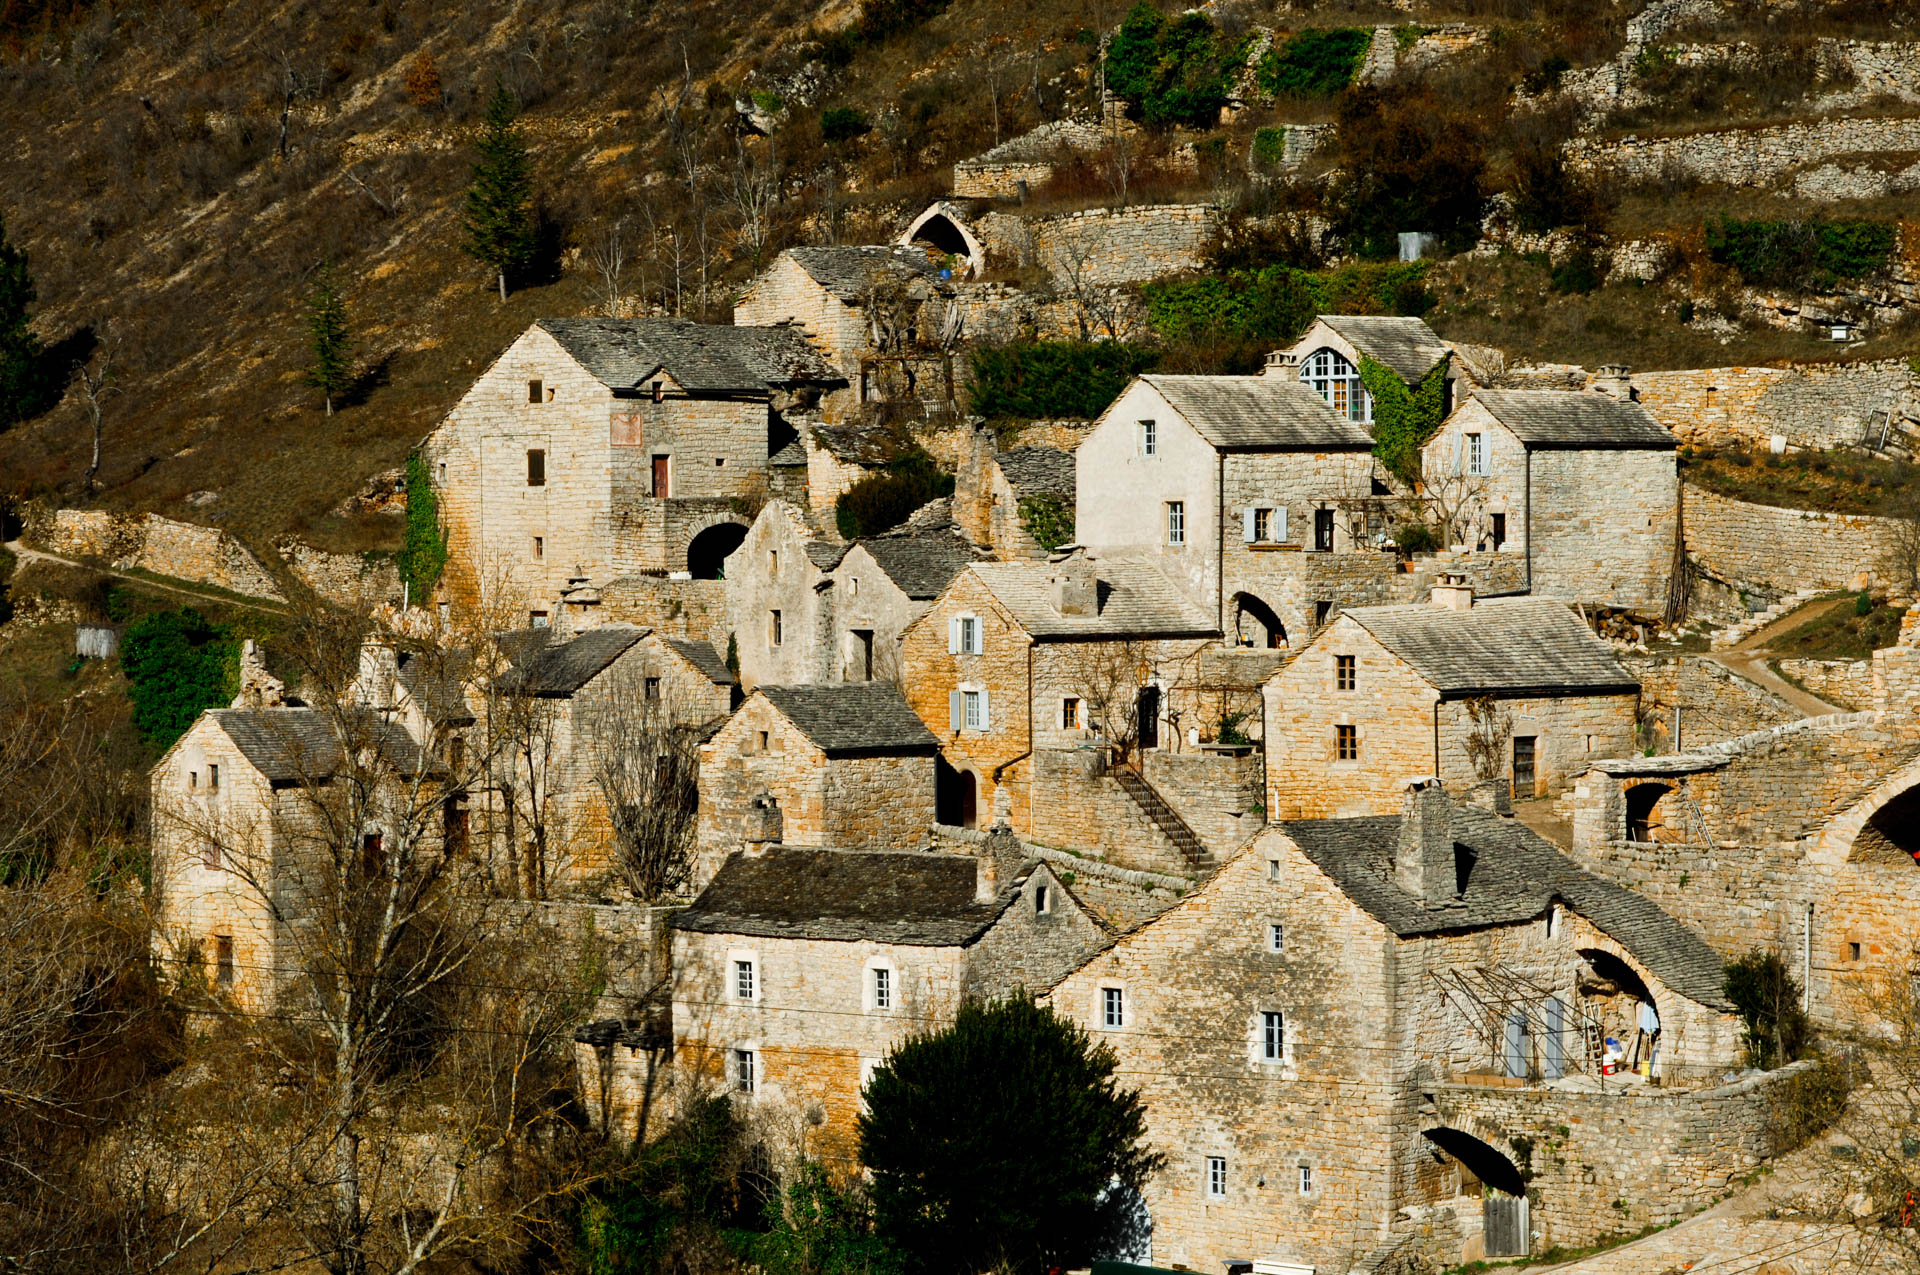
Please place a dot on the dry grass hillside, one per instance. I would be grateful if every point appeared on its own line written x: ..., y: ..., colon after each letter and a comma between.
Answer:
x: 178, y: 172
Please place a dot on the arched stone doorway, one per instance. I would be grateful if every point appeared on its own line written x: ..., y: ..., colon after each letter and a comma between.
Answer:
x: 707, y: 552
x: 1460, y: 1166
x: 956, y: 795
x: 1646, y: 811
x: 942, y: 230
x: 1892, y: 832
x: 1620, y: 1006
x: 1255, y: 624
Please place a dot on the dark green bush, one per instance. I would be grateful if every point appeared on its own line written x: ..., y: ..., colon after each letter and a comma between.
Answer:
x: 1276, y: 304
x: 882, y: 501
x: 1313, y: 63
x: 1863, y: 604
x: 1048, y: 519
x: 1547, y: 194
x: 1269, y: 146
x: 1032, y: 380
x: 177, y: 663
x: 842, y: 124
x: 1768, y: 1001
x: 1581, y: 273
x: 1176, y: 71
x: 423, y: 553
x: 1407, y: 162
x: 1815, y: 254
x: 1416, y: 537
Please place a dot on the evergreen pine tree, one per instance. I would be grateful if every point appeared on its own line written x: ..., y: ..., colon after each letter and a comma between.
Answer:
x: 331, y: 370
x: 20, y: 353
x: 499, y: 210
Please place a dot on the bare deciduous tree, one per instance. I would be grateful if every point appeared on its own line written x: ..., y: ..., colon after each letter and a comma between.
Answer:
x: 753, y: 192
x: 99, y: 381
x: 607, y: 254
x: 1488, y: 730
x: 1077, y: 253
x: 646, y: 766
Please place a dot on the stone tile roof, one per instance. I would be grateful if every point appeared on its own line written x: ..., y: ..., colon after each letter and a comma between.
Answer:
x: 793, y: 454
x: 439, y: 690
x: 555, y: 670
x: 922, y: 564
x: 1039, y: 471
x: 705, y: 358
x: 1562, y: 419
x: 1136, y: 599
x: 853, y: 718
x: 1500, y: 646
x: 1515, y: 877
x: 300, y: 745
x: 1259, y: 413
x: 703, y: 657
x: 848, y: 271
x: 858, y: 444
x: 826, y: 554
x: 923, y: 899
x: 1406, y: 345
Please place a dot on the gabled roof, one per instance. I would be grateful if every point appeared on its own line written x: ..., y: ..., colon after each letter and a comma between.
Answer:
x: 1499, y: 646
x: 704, y: 358
x: 554, y: 670
x: 1135, y: 599
x: 848, y: 271
x: 703, y: 657
x: 925, y: 899
x: 301, y: 745
x: 1259, y: 413
x: 853, y: 718
x: 923, y: 564
x: 1582, y: 419
x: 1515, y: 877
x: 826, y: 554
x: 1039, y: 471
x: 857, y: 443
x: 1406, y: 345
x: 437, y: 686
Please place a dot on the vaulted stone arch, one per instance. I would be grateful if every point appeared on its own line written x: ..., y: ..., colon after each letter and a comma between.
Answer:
x: 708, y: 547
x: 941, y: 228
x: 1883, y: 826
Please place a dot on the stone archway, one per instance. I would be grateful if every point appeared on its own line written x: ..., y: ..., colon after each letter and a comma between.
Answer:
x: 1256, y: 624
x: 1482, y: 1170
x: 941, y: 229
x: 707, y: 552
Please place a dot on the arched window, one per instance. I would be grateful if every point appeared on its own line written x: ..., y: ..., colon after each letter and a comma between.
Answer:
x: 1328, y: 374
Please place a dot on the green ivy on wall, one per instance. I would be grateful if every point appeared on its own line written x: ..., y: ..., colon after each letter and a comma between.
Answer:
x: 424, y: 552
x: 1404, y: 416
x: 1049, y: 519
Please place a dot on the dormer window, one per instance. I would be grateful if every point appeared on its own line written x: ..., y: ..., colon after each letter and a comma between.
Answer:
x: 1328, y: 373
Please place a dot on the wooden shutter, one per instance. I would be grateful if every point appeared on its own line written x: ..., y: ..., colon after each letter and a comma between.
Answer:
x: 1247, y: 516
x: 985, y: 720
x: 1280, y: 524
x: 953, y: 635
x: 953, y: 711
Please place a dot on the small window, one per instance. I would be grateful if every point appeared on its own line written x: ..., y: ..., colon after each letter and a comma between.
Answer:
x: 1043, y: 901
x: 743, y: 1077
x: 1525, y: 752
x: 972, y: 718
x: 1070, y: 713
x: 213, y: 777
x: 1176, y: 522
x: 536, y: 467
x: 763, y: 741
x: 773, y: 628
x: 1216, y: 1177
x: 1149, y: 438
x: 659, y: 390
x: 1273, y: 869
x: 743, y: 983
x: 535, y: 392
x: 651, y: 688
x: 1273, y: 1037
x: 719, y: 462
x: 1263, y: 525
x: 1322, y: 612
x: 773, y: 562
x: 539, y: 546
x: 1346, y: 743
x: 1477, y: 455
x: 1113, y: 1007
x: 971, y: 639
x: 210, y: 855
x: 1853, y: 951
x: 1497, y: 534
x: 882, y: 988
x: 223, y: 959
x: 1306, y: 1179
x: 537, y: 619
x: 1553, y: 921
x: 1343, y: 672
x: 373, y: 854
x: 1276, y: 937
x: 853, y: 587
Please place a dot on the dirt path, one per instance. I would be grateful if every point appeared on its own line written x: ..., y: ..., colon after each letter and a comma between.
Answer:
x: 1749, y: 659
x: 25, y: 555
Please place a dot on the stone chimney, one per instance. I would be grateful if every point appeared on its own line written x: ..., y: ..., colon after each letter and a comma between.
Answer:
x: 579, y: 606
x: 1615, y: 380
x: 258, y: 688
x: 764, y: 825
x: 1423, y: 863
x: 1282, y: 363
x: 1076, y: 590
x: 986, y: 876
x: 1453, y: 592
x: 373, y: 686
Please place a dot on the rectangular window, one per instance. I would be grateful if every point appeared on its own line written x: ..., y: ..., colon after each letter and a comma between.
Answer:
x: 539, y: 546
x: 1113, y: 1007
x: 373, y: 855
x: 773, y: 628
x: 1346, y: 743
x: 659, y: 391
x: 1343, y: 672
x: 763, y: 741
x: 1176, y: 522
x: 651, y: 688
x: 1043, y: 902
x: 662, y: 476
x: 1273, y: 1037
x: 1216, y: 1177
x: 1149, y: 438
x: 1477, y: 455
x: 773, y: 562
x: 883, y: 989
x: 535, y: 393
x: 455, y: 826
x: 213, y: 777
x: 537, y: 619
x: 1273, y: 869
x: 972, y: 717
x: 1306, y: 1179
x: 1070, y: 713
x: 1853, y: 951
x: 970, y: 637
x: 1322, y: 612
x: 1524, y: 752
x: 536, y: 467
x: 743, y: 980
x: 223, y: 959
x: 1276, y: 937
x: 1263, y: 525
x: 193, y: 779
x: 1323, y: 530
x: 1498, y: 535
x: 210, y: 855
x: 743, y: 1070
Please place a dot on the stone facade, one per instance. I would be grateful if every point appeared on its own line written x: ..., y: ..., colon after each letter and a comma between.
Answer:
x: 1023, y: 164
x: 771, y: 574
x: 1811, y: 405
x: 1102, y: 247
x: 1771, y: 552
x: 1846, y: 684
x: 786, y: 293
x: 1712, y: 704
x: 148, y: 542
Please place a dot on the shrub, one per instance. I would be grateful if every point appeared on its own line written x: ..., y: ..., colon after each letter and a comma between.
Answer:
x: 1863, y: 604
x: 1547, y: 194
x: 423, y: 80
x: 1313, y: 63
x: 1049, y: 519
x: 1580, y: 272
x: 882, y: 501
x: 1269, y: 146
x: 1814, y: 255
x: 842, y: 124
x: 1768, y: 1001
x: 1416, y: 537
x: 1245, y: 244
x: 1176, y: 71
x: 177, y: 663
x: 1041, y: 379
x: 1406, y: 164
x: 1275, y: 304
x: 1547, y: 76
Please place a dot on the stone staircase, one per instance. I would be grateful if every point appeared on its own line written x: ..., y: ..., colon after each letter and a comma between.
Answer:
x: 1735, y: 634
x: 1164, y: 817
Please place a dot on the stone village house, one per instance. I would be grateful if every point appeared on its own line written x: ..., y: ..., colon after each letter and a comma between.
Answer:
x: 1378, y: 1037
x: 1472, y: 691
x: 994, y: 491
x: 604, y: 448
x: 1326, y: 359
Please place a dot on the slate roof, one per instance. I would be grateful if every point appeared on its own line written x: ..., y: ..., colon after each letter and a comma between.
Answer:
x: 853, y: 718
x: 299, y: 745
x: 1039, y: 471
x: 1406, y: 345
x: 440, y: 690
x: 1515, y: 877
x: 1500, y: 646
x: 1562, y: 419
x: 1259, y: 413
x: 826, y: 554
x: 703, y: 657
x: 922, y: 565
x: 793, y: 454
x: 554, y: 670
x: 923, y: 899
x: 847, y: 271
x: 704, y: 358
x: 857, y: 443
x: 1136, y: 599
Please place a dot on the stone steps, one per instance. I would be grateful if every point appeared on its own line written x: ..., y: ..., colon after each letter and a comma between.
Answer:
x: 1165, y: 818
x: 1734, y: 634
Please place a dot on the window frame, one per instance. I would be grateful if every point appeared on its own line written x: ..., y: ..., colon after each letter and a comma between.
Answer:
x: 1276, y: 938
x: 536, y: 467
x: 536, y: 390
x: 1176, y: 523
x: 745, y: 974
x: 776, y: 631
x: 1346, y: 673
x: 1477, y: 458
x: 1272, y: 1039
x: 1147, y: 437
x: 1305, y: 1178
x: 1346, y: 742
x: 1113, y: 1007
x: 1336, y: 379
x: 746, y: 1070
x: 1213, y: 1177
x: 882, y: 987
x: 971, y: 715
x: 224, y: 964
x: 1071, y: 716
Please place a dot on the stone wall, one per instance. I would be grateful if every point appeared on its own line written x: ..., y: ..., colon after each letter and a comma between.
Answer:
x: 1219, y: 794
x: 345, y: 579
x: 1102, y: 247
x: 1714, y: 705
x: 1077, y: 806
x: 1811, y: 405
x: 1845, y: 684
x: 1743, y: 157
x: 148, y: 542
x: 1772, y: 551
x: 677, y: 608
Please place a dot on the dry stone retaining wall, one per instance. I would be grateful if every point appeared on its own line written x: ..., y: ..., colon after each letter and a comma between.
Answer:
x: 1105, y: 246
x: 185, y: 551
x: 1812, y: 405
x: 1844, y: 684
x: 1744, y: 157
x: 1778, y: 551
x: 346, y: 579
